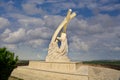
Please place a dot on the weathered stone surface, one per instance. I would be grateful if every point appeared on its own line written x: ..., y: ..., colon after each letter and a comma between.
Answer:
x: 98, y: 73
x: 27, y: 73
x: 66, y: 67
x: 64, y: 71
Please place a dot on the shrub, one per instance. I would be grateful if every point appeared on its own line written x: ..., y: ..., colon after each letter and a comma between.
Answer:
x: 7, y: 63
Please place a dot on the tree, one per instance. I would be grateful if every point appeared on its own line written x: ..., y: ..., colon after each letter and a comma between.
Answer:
x: 8, y: 62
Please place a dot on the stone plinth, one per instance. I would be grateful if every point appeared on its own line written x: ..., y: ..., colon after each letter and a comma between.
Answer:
x: 66, y: 67
x: 27, y: 73
x: 40, y: 70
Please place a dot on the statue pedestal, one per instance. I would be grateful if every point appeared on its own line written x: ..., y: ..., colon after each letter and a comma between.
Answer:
x: 40, y: 70
x: 66, y: 67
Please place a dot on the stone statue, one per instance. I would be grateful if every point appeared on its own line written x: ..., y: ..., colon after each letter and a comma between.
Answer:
x: 58, y: 52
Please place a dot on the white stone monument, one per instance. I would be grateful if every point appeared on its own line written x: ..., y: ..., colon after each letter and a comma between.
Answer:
x: 58, y: 53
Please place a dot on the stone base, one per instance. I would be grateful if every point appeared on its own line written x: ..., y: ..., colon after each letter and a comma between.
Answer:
x: 27, y: 73
x: 66, y: 67
x: 40, y: 70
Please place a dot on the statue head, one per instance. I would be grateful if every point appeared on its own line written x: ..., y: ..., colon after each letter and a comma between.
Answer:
x: 62, y: 37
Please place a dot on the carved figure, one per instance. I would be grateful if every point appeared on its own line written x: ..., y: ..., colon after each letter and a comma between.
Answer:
x: 58, y: 52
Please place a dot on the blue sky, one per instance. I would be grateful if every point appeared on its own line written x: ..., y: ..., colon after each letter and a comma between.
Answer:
x: 26, y: 27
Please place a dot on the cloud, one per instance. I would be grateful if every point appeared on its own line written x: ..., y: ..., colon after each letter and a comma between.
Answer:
x: 54, y: 7
x: 10, y: 46
x: 53, y: 21
x: 5, y: 34
x: 7, y: 31
x: 111, y: 5
x: 33, y: 22
x: 83, y: 27
x: 35, y: 1
x: 18, y: 16
x: 99, y: 6
x: 30, y: 21
x: 30, y: 29
x: 110, y: 8
x: 4, y: 22
x: 14, y: 37
x: 10, y: 6
x: 78, y: 44
x: 116, y: 48
x: 84, y: 35
x: 31, y: 8
x: 92, y: 33
x: 36, y: 43
x: 42, y: 32
x: 107, y: 20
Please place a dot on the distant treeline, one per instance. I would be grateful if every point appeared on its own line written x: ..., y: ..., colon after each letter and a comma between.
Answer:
x: 23, y: 63
x: 114, y: 64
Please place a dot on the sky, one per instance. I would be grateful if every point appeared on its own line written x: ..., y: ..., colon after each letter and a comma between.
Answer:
x: 26, y: 28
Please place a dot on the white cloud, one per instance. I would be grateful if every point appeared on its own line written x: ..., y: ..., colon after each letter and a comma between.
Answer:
x: 98, y: 6
x: 97, y: 28
x: 116, y: 48
x: 35, y: 1
x: 4, y: 22
x: 7, y: 31
x: 15, y: 36
x: 30, y: 21
x: 83, y: 23
x: 10, y: 46
x: 5, y: 34
x: 42, y: 32
x: 78, y: 44
x: 31, y: 8
x: 91, y: 33
x: 10, y: 6
x: 66, y: 5
x: 84, y: 27
x: 111, y: 6
x: 53, y: 20
x: 17, y: 16
x: 35, y: 43
x: 35, y: 7
x: 26, y: 21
